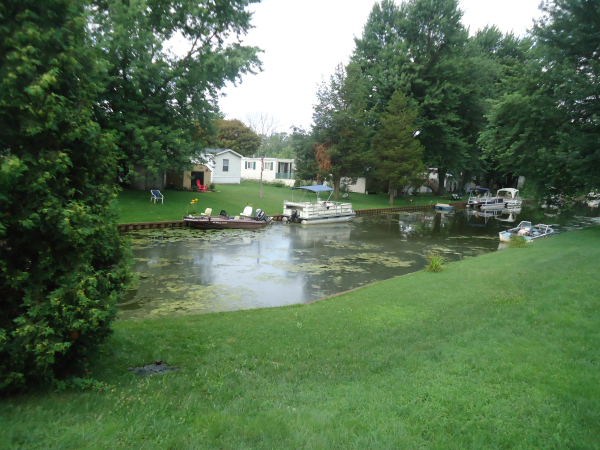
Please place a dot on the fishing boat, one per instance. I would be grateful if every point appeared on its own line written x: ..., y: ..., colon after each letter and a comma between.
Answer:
x: 319, y: 211
x: 511, y: 197
x: 443, y: 207
x: 528, y: 231
x: 482, y: 198
x: 226, y: 222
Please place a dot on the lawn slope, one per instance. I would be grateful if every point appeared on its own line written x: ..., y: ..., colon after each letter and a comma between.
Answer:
x: 135, y: 206
x: 499, y: 351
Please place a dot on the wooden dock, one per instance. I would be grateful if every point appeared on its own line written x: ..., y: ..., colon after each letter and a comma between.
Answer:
x: 124, y: 227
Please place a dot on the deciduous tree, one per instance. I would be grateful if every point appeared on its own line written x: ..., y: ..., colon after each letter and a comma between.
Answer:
x: 547, y: 121
x: 341, y: 124
x: 233, y: 134
x: 156, y: 99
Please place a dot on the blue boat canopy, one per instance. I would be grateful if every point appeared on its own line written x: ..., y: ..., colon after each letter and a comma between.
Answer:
x: 317, y: 188
x: 479, y: 189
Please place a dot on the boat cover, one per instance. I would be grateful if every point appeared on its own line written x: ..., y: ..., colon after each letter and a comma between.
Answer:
x: 317, y: 188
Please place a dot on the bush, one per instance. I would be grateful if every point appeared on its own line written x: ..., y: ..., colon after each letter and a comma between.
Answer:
x: 63, y: 264
x: 212, y: 187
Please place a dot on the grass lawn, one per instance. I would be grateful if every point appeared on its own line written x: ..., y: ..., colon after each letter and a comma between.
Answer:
x: 135, y: 206
x: 495, y: 352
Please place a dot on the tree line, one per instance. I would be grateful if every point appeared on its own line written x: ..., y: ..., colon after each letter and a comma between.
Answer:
x: 419, y: 91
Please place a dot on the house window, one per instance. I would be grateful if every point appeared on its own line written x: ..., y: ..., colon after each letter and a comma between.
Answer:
x: 269, y: 166
x: 250, y: 165
x: 225, y: 165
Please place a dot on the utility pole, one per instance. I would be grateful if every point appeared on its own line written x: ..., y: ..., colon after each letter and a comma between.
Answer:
x: 262, y: 168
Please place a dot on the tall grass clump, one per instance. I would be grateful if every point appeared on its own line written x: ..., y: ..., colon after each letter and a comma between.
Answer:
x: 434, y: 262
x: 517, y: 241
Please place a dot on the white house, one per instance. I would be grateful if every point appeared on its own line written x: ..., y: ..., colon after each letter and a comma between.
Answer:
x: 225, y: 165
x: 276, y: 169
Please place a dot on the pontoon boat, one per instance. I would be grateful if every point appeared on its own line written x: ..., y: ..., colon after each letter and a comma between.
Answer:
x: 320, y: 211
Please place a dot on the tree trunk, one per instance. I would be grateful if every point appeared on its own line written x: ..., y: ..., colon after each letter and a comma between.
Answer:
x: 391, y: 194
x: 441, y: 178
x: 336, y: 187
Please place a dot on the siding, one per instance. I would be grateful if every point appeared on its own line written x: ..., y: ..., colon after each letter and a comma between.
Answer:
x: 233, y: 175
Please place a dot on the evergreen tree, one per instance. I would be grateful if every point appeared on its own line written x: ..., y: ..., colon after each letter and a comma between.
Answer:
x: 62, y: 261
x: 397, y: 153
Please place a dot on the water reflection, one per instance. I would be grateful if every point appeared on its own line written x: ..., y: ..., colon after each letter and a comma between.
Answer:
x: 192, y: 272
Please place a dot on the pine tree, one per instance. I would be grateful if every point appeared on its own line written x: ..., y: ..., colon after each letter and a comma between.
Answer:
x: 398, y: 155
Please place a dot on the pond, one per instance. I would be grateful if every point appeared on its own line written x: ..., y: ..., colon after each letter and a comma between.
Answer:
x: 183, y: 271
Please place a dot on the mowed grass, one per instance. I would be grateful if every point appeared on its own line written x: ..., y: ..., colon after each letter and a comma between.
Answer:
x: 501, y: 351
x: 135, y: 206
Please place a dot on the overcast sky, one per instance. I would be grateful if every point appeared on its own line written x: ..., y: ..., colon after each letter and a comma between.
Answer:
x: 304, y: 40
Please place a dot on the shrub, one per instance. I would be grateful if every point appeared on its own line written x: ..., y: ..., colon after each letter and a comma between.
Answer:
x: 212, y: 187
x: 434, y: 262
x: 62, y: 261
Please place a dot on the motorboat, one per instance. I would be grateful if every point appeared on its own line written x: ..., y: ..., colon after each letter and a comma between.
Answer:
x: 527, y: 231
x: 443, y: 207
x: 319, y: 211
x: 482, y: 198
x: 226, y: 222
x: 511, y: 197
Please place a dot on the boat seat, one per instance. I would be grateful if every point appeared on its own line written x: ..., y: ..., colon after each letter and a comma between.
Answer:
x: 206, y: 213
x: 247, y: 212
x: 236, y: 218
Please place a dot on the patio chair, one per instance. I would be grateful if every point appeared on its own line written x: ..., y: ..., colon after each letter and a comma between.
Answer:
x: 156, y: 195
x: 206, y: 213
x: 201, y: 187
x: 247, y: 212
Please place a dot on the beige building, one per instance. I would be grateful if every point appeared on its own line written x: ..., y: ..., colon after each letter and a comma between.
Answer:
x: 223, y: 166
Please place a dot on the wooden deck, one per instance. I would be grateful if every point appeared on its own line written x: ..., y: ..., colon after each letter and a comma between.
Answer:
x: 124, y: 227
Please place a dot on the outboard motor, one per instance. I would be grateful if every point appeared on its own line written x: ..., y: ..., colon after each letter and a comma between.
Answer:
x: 260, y: 215
x: 294, y: 215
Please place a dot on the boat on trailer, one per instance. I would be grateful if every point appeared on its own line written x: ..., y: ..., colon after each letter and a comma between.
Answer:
x: 319, y: 211
x: 527, y: 231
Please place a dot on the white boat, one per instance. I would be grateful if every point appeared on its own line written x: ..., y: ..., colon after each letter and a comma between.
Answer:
x: 319, y: 211
x: 593, y: 199
x: 482, y: 198
x: 528, y: 231
x: 511, y: 197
